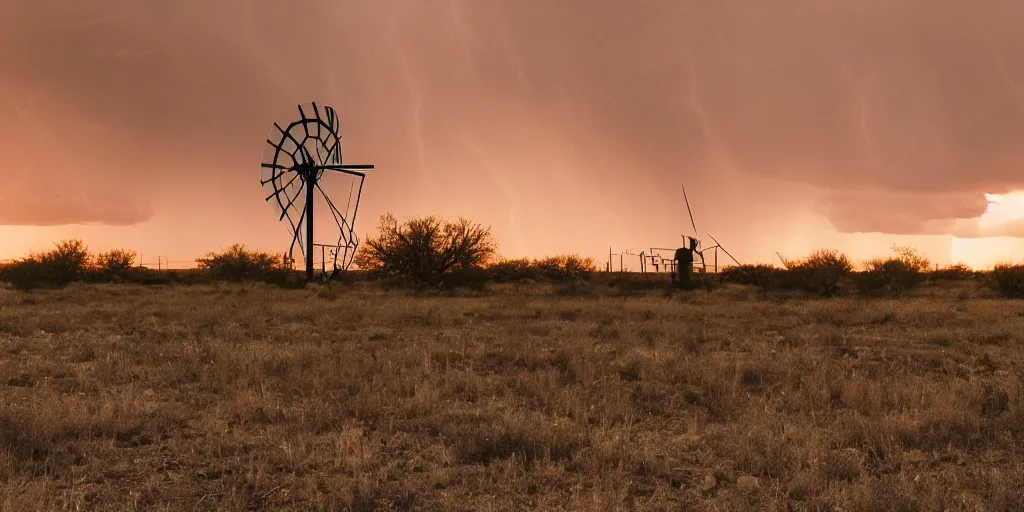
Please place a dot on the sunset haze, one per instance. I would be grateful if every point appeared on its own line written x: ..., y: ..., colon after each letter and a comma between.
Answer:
x: 568, y: 126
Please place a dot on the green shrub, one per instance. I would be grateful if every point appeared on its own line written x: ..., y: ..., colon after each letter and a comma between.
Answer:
x: 821, y: 273
x: 1009, y: 280
x: 240, y: 264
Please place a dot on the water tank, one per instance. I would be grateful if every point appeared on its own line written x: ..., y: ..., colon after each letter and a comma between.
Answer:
x: 683, y: 276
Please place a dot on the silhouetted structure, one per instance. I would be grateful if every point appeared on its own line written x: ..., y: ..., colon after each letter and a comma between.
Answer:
x: 683, y: 275
x: 294, y: 163
x: 695, y: 242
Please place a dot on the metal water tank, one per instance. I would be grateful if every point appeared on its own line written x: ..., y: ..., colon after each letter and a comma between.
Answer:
x: 683, y: 276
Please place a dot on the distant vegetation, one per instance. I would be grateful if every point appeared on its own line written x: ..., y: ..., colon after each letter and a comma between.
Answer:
x: 433, y: 252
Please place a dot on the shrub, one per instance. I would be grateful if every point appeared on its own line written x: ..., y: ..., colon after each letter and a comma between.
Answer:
x: 820, y: 273
x: 116, y: 263
x: 423, y: 250
x: 957, y: 272
x: 67, y: 262
x: 468, y: 277
x: 1009, y: 280
x: 565, y: 267
x: 763, y: 276
x: 895, y: 274
x: 508, y: 270
x: 25, y: 274
x: 239, y: 264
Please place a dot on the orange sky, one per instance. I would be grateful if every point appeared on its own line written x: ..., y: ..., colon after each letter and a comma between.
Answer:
x: 567, y: 126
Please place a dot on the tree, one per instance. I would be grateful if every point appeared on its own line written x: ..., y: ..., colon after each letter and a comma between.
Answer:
x: 424, y: 250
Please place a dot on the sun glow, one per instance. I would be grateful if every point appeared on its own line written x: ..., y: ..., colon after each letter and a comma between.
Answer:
x: 1002, y: 208
x: 985, y: 252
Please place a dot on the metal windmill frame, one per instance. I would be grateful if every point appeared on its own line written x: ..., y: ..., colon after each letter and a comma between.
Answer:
x: 295, y: 160
x: 696, y: 243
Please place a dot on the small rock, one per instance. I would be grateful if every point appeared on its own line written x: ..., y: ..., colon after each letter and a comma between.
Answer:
x: 708, y: 483
x: 747, y: 483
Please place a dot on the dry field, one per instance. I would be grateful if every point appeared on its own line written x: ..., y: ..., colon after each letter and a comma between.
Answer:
x: 249, y: 397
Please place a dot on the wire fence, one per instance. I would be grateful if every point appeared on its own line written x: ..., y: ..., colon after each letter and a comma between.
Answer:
x: 162, y: 263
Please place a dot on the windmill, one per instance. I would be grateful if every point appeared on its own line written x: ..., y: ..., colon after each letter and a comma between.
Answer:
x: 294, y: 162
x: 695, y: 243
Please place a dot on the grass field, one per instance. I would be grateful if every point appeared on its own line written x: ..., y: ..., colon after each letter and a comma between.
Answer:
x: 251, y: 397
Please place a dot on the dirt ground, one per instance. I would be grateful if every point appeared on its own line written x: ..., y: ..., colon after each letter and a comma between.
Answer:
x: 351, y: 397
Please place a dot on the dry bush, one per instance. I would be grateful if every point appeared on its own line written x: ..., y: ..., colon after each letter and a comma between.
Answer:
x: 116, y: 263
x: 560, y: 268
x: 894, y: 275
x: 565, y: 267
x: 426, y: 250
x: 1009, y: 280
x: 821, y: 273
x: 954, y: 272
x: 67, y: 262
x: 763, y: 276
x: 237, y: 263
x: 510, y: 270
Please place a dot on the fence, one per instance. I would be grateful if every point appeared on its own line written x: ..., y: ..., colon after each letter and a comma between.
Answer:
x: 163, y: 263
x: 656, y: 260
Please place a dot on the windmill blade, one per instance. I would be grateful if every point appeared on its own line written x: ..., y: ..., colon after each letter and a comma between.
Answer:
x: 784, y: 261
x: 723, y: 249
x: 689, y: 211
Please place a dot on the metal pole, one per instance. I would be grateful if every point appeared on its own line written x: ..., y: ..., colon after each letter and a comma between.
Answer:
x: 716, y: 259
x: 310, y: 183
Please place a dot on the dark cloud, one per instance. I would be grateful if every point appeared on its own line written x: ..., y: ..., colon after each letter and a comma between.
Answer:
x: 903, y: 113
x: 900, y: 213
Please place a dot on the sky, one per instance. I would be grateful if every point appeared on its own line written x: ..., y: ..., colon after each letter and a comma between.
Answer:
x: 568, y: 126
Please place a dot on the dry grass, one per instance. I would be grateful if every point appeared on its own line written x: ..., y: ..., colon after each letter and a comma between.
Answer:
x: 248, y: 397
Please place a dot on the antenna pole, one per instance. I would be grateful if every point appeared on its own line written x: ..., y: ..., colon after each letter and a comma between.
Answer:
x: 310, y: 184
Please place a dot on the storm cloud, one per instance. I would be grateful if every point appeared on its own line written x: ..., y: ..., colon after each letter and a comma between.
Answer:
x: 901, y: 113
